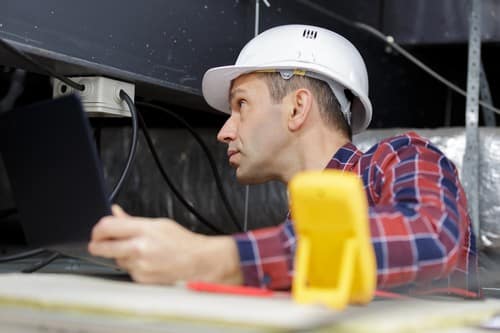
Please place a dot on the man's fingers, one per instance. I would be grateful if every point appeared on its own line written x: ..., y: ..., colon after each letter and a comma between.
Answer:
x: 118, y: 249
x: 111, y: 227
x: 125, y: 263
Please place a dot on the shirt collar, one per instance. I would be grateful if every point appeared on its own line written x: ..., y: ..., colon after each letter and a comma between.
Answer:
x: 345, y: 158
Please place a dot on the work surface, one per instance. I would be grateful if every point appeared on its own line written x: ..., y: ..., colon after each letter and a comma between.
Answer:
x: 72, y: 303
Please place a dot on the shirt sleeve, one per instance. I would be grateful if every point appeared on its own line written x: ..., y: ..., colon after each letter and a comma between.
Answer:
x: 266, y: 256
x: 418, y: 217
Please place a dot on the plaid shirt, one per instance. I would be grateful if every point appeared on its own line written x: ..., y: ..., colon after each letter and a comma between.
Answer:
x: 420, y: 229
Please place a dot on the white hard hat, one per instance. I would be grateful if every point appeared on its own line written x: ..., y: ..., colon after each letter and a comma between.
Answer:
x: 304, y: 50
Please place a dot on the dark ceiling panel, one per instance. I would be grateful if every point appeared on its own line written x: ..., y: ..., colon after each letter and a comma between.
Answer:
x: 438, y: 22
x: 157, y: 44
x: 162, y: 46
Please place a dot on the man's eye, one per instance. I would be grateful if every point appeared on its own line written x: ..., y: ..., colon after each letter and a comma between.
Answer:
x: 241, y: 102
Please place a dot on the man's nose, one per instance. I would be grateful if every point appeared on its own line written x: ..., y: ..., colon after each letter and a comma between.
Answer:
x: 228, y: 131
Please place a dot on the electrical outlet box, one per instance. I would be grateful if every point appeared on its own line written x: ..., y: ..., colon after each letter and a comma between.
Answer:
x: 101, y: 96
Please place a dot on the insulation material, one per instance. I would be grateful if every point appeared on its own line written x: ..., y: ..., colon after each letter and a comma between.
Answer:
x: 451, y: 141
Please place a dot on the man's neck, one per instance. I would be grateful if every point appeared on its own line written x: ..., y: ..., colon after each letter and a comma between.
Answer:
x: 314, y: 151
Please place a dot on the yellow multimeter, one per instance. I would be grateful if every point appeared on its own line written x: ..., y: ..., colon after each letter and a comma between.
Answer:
x: 334, y: 261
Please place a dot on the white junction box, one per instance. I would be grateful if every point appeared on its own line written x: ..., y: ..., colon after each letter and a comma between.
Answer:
x: 101, y: 96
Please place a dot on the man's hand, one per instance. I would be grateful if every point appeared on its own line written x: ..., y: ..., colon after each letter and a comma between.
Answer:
x: 162, y: 251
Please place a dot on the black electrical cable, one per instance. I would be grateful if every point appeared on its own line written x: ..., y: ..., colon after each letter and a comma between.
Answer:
x: 22, y: 255
x: 169, y: 181
x: 19, y: 255
x: 44, y: 69
x: 208, y: 154
x: 15, y: 90
x: 133, y: 145
x: 392, y: 43
x: 97, y: 139
x: 53, y: 256
x: 29, y: 254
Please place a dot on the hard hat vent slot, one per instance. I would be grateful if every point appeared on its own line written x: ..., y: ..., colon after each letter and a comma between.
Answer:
x: 309, y: 34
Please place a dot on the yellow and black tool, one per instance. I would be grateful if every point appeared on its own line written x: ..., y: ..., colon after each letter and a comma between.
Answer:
x: 334, y: 261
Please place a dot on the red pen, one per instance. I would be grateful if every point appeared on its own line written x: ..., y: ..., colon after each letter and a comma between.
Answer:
x: 228, y: 289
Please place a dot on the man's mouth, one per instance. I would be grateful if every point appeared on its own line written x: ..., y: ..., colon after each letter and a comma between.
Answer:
x: 232, y: 155
x: 231, y: 152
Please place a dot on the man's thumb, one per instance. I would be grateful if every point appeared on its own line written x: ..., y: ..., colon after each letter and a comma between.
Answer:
x: 118, y: 211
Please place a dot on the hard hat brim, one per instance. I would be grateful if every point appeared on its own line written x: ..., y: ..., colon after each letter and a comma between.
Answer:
x: 217, y: 82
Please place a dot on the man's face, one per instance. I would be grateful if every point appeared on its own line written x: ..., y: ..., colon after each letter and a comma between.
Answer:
x: 256, y: 132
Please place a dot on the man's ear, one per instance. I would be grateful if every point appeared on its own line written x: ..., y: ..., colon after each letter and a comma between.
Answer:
x: 302, y: 103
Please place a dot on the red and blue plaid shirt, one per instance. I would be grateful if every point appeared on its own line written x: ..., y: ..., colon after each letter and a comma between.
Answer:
x: 420, y: 229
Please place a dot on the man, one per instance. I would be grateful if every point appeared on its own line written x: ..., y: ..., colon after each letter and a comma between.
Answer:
x: 295, y: 96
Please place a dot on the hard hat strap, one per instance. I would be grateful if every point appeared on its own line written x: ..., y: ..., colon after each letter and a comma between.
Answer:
x: 337, y: 89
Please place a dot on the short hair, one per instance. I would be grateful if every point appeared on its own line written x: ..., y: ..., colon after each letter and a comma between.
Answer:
x: 329, y: 106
